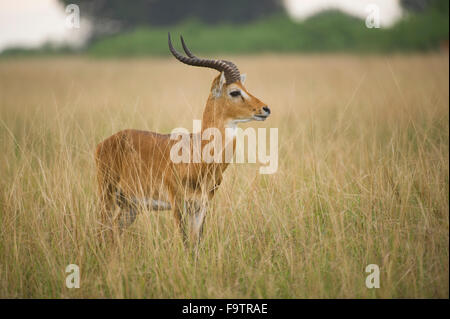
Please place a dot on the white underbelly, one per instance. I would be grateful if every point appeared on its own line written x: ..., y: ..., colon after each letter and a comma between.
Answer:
x: 152, y: 204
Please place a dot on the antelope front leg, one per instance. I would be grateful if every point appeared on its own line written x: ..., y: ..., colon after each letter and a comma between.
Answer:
x: 195, y: 212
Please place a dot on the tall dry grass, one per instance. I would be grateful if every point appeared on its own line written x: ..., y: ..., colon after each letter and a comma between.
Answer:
x: 363, y: 179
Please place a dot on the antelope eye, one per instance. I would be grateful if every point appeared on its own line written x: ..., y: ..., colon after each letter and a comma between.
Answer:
x: 235, y: 93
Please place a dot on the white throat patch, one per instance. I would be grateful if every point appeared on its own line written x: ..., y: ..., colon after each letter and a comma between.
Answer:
x: 232, y: 125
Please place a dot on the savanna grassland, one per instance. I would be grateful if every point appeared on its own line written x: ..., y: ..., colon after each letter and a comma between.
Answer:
x: 363, y: 178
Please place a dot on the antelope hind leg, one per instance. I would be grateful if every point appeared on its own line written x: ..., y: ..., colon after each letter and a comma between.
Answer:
x: 126, y: 217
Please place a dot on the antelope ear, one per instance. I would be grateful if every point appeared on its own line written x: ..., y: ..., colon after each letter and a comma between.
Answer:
x: 243, y: 78
x: 217, y: 89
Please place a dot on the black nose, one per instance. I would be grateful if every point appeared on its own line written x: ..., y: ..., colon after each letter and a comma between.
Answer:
x: 265, y: 108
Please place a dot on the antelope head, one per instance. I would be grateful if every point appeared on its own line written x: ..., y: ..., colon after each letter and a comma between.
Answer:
x: 229, y: 101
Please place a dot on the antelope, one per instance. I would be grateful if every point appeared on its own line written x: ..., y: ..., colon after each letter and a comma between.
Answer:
x: 134, y: 168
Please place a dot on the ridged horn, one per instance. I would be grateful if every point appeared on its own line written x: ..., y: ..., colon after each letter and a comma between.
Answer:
x: 231, y: 72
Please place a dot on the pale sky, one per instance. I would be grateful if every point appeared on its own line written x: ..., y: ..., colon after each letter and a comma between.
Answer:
x: 31, y: 23
x: 390, y: 10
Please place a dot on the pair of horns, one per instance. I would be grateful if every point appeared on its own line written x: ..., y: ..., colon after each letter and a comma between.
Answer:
x: 229, y: 69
